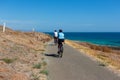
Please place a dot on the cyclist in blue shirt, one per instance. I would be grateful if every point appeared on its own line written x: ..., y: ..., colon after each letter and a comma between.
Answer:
x: 61, y: 38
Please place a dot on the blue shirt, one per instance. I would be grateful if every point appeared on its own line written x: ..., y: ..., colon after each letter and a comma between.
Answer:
x: 60, y: 35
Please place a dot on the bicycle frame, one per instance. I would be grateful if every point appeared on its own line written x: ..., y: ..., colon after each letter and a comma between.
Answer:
x: 60, y: 48
x: 55, y: 41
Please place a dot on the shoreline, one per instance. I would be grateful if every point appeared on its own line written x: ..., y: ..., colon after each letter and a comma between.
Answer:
x: 110, y: 46
x: 108, y: 41
x: 107, y: 56
x: 88, y: 43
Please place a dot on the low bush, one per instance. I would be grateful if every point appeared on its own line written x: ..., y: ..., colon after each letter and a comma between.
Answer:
x: 44, y: 72
x: 8, y: 61
x: 38, y: 66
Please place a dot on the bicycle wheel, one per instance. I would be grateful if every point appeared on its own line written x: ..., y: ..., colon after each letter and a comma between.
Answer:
x: 61, y: 51
x: 55, y: 41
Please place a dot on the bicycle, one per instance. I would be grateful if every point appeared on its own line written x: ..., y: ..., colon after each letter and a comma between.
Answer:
x: 55, y: 40
x: 60, y: 50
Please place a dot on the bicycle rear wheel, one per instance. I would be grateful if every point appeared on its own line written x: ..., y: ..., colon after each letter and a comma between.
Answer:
x: 55, y: 41
x: 61, y: 51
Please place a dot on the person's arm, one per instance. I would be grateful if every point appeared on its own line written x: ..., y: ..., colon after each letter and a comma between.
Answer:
x: 58, y: 35
x: 64, y: 38
x: 64, y: 41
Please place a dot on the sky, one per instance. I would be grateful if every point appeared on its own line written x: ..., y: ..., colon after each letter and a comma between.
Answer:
x: 69, y: 15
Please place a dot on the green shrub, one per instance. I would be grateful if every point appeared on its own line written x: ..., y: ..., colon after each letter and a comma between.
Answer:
x: 38, y: 66
x: 7, y: 60
x: 35, y: 77
x: 44, y: 72
x: 44, y: 63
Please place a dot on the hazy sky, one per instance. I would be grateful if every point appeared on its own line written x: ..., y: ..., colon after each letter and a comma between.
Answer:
x: 70, y: 15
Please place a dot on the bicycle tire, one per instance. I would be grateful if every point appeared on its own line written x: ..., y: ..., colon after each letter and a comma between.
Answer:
x: 61, y: 51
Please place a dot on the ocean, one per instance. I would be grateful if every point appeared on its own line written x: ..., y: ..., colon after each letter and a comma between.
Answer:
x: 98, y: 38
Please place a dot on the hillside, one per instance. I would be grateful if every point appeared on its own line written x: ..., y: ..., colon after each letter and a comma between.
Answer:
x: 21, y: 55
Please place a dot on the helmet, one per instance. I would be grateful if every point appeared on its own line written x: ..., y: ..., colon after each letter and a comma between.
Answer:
x: 60, y: 30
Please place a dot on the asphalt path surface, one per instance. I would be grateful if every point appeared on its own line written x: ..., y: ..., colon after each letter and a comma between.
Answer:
x: 75, y: 66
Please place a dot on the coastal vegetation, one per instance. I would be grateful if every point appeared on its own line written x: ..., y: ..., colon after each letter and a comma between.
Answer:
x: 37, y: 66
x: 7, y: 60
x: 21, y: 55
x: 44, y: 72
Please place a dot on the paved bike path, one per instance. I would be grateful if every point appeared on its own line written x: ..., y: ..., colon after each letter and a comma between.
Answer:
x: 75, y: 66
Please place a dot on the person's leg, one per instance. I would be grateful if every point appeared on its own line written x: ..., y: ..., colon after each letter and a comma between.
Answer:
x: 54, y: 39
x: 59, y: 42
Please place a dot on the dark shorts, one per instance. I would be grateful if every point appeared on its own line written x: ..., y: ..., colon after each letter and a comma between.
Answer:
x: 55, y: 37
x: 60, y: 41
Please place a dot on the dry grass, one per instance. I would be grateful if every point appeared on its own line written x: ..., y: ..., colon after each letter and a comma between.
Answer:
x: 104, y: 54
x: 20, y: 52
x: 103, y: 48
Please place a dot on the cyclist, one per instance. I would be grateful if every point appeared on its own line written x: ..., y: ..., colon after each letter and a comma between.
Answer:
x: 61, y: 39
x: 55, y: 36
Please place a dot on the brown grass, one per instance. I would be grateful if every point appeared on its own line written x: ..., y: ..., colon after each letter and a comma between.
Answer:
x: 19, y: 51
x: 100, y: 48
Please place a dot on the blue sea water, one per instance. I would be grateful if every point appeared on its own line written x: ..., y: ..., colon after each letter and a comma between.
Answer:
x: 99, y: 38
